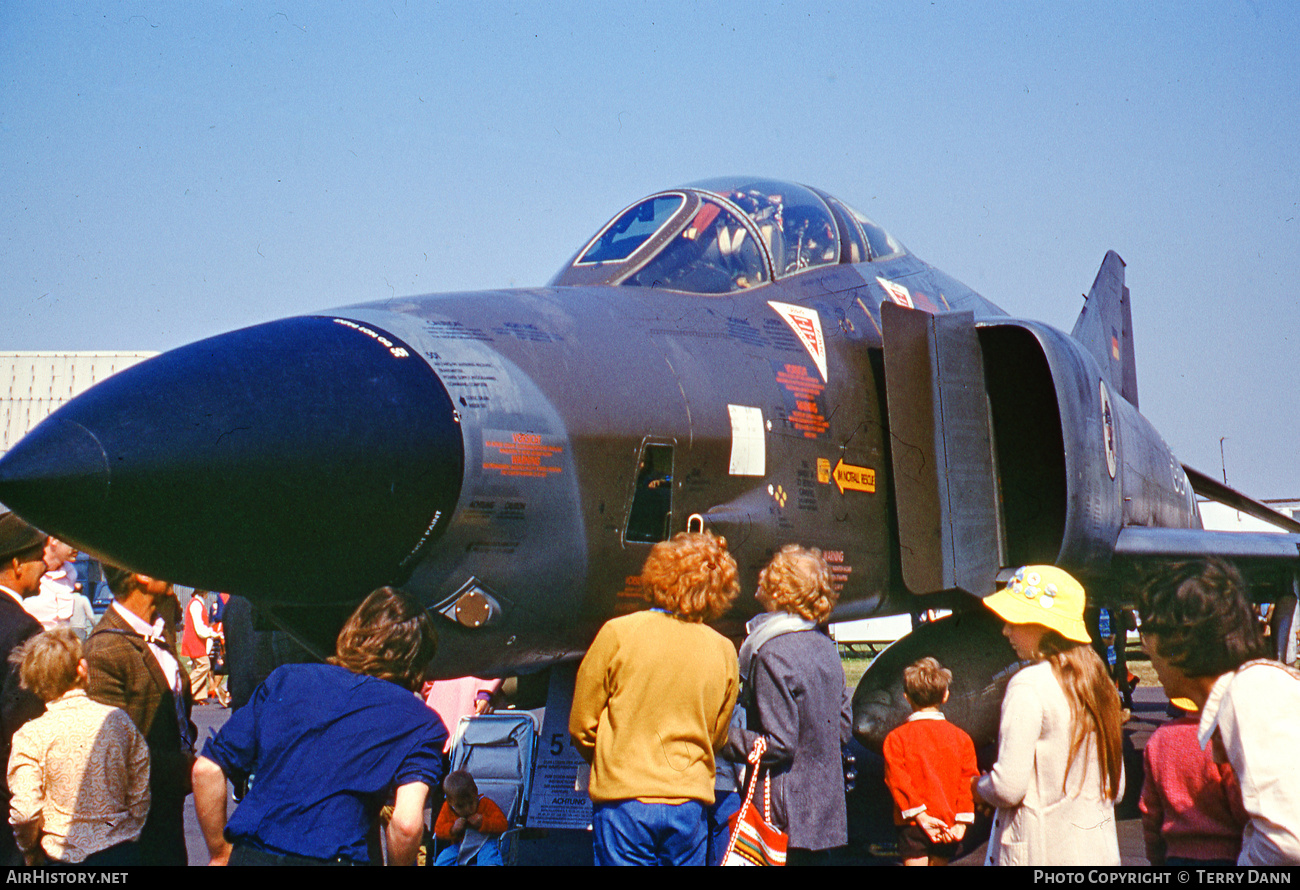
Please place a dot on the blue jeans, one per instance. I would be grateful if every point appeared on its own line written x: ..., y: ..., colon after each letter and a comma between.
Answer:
x: 726, y: 804
x: 488, y: 854
x: 628, y: 832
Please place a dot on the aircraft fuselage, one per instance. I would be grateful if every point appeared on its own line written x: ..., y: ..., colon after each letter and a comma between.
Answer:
x: 511, y: 456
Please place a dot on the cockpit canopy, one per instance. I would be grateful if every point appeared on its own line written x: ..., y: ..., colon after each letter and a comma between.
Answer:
x: 723, y: 235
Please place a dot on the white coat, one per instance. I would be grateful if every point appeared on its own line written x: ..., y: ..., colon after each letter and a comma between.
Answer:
x: 1042, y: 819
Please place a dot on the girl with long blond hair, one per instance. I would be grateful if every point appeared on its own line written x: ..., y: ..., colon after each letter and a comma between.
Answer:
x: 1059, y: 769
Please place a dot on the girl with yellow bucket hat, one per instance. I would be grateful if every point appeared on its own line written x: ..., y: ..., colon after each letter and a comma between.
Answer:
x: 1059, y: 769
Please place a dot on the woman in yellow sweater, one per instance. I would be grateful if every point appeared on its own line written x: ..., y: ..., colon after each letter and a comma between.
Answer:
x: 651, y: 705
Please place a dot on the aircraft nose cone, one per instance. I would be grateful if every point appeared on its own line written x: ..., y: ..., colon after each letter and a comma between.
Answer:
x: 60, y: 461
x: 306, y: 459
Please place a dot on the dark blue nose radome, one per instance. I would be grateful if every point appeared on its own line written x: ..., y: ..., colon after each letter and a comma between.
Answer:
x: 305, y: 460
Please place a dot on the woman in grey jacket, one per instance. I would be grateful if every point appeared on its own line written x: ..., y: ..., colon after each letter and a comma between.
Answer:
x: 795, y: 698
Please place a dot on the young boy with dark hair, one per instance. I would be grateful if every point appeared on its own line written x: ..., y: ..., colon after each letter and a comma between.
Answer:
x: 1205, y: 645
x: 929, y: 764
x: 465, y: 810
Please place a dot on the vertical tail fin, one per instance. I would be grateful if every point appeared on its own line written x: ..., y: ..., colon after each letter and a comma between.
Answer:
x: 1105, y: 328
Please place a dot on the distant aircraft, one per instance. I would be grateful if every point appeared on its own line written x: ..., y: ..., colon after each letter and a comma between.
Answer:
x: 743, y: 355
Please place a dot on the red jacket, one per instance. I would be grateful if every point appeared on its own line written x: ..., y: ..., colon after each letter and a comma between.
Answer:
x: 494, y: 821
x: 929, y: 764
x: 193, y: 641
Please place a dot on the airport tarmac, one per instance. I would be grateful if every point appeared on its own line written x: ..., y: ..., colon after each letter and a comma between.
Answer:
x: 873, y: 830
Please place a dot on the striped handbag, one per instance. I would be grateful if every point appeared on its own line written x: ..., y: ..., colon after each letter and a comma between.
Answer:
x: 754, y: 839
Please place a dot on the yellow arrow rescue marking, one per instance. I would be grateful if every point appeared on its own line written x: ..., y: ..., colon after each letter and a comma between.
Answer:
x: 851, y: 478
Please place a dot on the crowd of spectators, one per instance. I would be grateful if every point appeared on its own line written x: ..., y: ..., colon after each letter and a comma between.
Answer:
x: 348, y: 755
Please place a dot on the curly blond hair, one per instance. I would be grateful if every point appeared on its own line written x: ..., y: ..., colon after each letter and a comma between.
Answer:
x: 691, y: 575
x: 798, y: 580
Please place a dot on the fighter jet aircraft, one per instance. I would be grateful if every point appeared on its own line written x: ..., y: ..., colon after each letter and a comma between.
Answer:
x: 742, y: 355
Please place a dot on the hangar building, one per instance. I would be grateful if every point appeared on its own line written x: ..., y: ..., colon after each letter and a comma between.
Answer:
x: 34, y: 384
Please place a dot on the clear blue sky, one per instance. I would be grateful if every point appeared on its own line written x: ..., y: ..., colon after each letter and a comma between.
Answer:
x: 172, y: 170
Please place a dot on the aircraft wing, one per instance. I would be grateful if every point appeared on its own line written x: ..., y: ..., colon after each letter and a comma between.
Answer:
x: 1270, y: 559
x: 1190, y: 543
x: 1209, y: 487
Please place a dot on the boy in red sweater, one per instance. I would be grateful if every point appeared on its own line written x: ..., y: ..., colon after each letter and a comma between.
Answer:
x: 466, y: 811
x: 929, y: 764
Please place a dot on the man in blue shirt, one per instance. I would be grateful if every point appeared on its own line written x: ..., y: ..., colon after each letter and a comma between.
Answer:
x: 327, y: 744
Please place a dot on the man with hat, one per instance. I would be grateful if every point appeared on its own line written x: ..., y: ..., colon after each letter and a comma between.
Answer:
x: 131, y: 656
x: 22, y: 563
